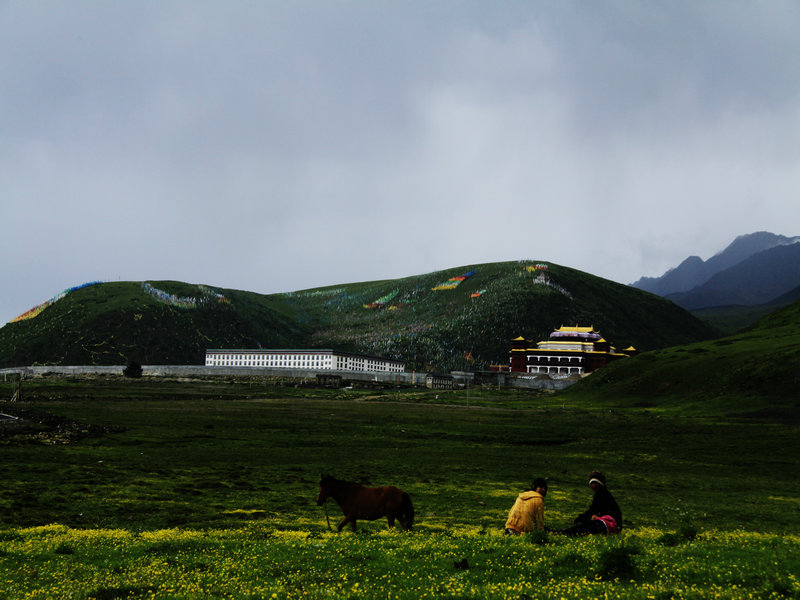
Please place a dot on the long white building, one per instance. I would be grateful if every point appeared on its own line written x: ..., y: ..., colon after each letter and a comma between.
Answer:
x: 318, y: 360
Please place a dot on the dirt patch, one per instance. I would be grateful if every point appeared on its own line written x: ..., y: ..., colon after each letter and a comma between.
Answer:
x: 30, y: 426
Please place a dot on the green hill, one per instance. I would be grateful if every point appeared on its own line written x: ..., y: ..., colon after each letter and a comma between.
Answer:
x: 730, y: 319
x: 458, y: 318
x: 754, y: 372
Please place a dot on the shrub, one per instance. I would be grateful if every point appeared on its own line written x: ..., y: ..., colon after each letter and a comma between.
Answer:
x: 617, y: 563
x: 570, y: 563
x: 686, y: 533
x: 114, y: 593
x: 133, y: 370
x: 668, y: 539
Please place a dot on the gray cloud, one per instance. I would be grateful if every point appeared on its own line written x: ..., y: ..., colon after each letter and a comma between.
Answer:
x: 275, y: 146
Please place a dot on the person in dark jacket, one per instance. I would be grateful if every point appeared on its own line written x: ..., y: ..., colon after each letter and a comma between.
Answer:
x: 603, y: 516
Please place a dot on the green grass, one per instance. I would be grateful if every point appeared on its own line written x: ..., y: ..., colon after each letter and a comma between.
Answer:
x: 188, y: 454
x: 206, y: 489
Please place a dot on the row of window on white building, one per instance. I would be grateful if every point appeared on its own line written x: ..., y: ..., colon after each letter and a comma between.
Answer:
x: 288, y: 360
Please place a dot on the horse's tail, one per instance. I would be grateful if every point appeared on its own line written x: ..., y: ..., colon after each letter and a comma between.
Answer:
x: 407, y: 510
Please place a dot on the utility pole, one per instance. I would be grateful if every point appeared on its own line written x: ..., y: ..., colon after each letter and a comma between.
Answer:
x: 17, y: 397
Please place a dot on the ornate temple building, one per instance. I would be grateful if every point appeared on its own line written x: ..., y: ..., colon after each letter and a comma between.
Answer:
x: 569, y: 351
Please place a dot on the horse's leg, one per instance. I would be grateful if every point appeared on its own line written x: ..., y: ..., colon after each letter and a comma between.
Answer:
x: 390, y: 518
x: 342, y: 523
x: 406, y: 512
x: 347, y: 519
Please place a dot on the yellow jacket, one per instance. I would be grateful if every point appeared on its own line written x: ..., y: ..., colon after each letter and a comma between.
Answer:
x: 527, y: 513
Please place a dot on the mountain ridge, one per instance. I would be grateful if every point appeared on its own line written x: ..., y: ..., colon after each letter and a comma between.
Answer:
x: 694, y: 271
x: 458, y: 318
x: 760, y: 279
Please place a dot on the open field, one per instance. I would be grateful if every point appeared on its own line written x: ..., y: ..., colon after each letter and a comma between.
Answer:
x: 191, y: 490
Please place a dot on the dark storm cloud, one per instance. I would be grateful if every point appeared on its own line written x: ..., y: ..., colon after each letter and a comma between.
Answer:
x: 273, y: 146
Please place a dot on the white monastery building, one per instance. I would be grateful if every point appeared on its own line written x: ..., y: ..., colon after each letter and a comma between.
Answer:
x: 317, y: 360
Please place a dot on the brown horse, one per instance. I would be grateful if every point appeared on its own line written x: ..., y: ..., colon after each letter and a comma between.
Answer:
x: 359, y: 502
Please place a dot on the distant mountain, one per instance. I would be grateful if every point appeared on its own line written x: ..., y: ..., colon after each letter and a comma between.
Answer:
x: 693, y: 271
x: 759, y: 279
x: 462, y: 318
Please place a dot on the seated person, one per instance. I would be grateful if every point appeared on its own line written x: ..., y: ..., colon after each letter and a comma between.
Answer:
x: 603, y: 516
x: 527, y: 513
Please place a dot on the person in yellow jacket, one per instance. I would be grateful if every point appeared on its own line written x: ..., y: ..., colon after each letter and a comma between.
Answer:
x: 527, y: 513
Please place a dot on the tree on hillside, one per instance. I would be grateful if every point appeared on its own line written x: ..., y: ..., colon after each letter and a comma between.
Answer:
x: 133, y: 370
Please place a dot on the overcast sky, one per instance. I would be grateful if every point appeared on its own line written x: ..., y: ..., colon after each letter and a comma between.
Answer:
x: 276, y: 146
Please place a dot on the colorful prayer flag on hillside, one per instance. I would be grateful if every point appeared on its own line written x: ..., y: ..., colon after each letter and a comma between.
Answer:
x: 383, y: 300
x: 536, y: 267
x: 453, y: 282
x: 37, y: 310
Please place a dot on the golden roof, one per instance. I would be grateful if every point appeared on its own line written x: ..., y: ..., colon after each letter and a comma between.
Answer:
x: 577, y: 329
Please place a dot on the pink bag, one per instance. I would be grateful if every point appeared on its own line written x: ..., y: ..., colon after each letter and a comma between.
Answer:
x: 610, y: 523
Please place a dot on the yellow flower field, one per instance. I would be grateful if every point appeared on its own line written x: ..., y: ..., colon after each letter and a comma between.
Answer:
x: 261, y: 561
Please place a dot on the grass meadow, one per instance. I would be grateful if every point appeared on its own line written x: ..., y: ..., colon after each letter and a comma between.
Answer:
x: 161, y: 489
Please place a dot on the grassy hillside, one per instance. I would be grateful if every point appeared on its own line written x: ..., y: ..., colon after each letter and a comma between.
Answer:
x: 730, y: 319
x: 458, y: 318
x: 755, y: 369
x: 113, y: 323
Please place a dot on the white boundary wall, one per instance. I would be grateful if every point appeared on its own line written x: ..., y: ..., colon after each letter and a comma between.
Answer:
x: 414, y: 378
